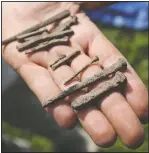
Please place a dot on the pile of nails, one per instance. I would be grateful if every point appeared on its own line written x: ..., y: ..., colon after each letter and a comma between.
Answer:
x: 38, y: 38
x: 116, y: 83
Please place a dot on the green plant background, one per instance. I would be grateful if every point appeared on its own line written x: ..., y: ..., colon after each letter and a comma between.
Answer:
x: 134, y: 46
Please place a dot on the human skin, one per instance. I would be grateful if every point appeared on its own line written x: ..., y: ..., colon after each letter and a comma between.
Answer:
x: 118, y: 115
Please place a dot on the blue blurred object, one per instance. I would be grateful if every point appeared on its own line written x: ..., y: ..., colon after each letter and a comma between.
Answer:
x: 132, y: 15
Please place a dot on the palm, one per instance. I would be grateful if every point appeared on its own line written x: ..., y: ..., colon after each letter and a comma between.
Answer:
x: 117, y: 114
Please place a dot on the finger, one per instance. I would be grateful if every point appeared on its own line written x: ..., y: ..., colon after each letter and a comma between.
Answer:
x: 41, y: 83
x: 135, y: 88
x: 115, y: 108
x: 92, y: 119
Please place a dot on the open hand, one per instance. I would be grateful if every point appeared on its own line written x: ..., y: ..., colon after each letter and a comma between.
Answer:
x: 117, y: 115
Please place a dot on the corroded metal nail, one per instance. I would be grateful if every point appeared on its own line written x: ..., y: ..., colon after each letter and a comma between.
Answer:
x: 67, y: 24
x: 120, y: 65
x: 65, y: 60
x: 95, y: 59
x: 60, y: 57
x: 37, y: 36
x: 42, y: 39
x: 47, y: 44
x: 50, y: 20
x: 98, y: 93
x: 23, y: 36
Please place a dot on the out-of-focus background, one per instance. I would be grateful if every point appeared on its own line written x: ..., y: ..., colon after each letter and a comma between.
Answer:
x: 26, y: 127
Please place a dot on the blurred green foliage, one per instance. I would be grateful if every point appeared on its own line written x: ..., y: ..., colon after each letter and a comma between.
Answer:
x: 38, y: 143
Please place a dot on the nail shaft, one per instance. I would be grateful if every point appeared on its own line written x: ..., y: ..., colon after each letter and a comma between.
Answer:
x: 98, y: 93
x: 65, y: 60
x: 120, y: 65
x: 40, y: 39
x: 45, y: 33
x: 30, y: 38
x: 50, y: 20
x: 47, y: 44
x: 21, y: 37
x: 66, y: 25
x: 95, y: 59
x: 59, y: 58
